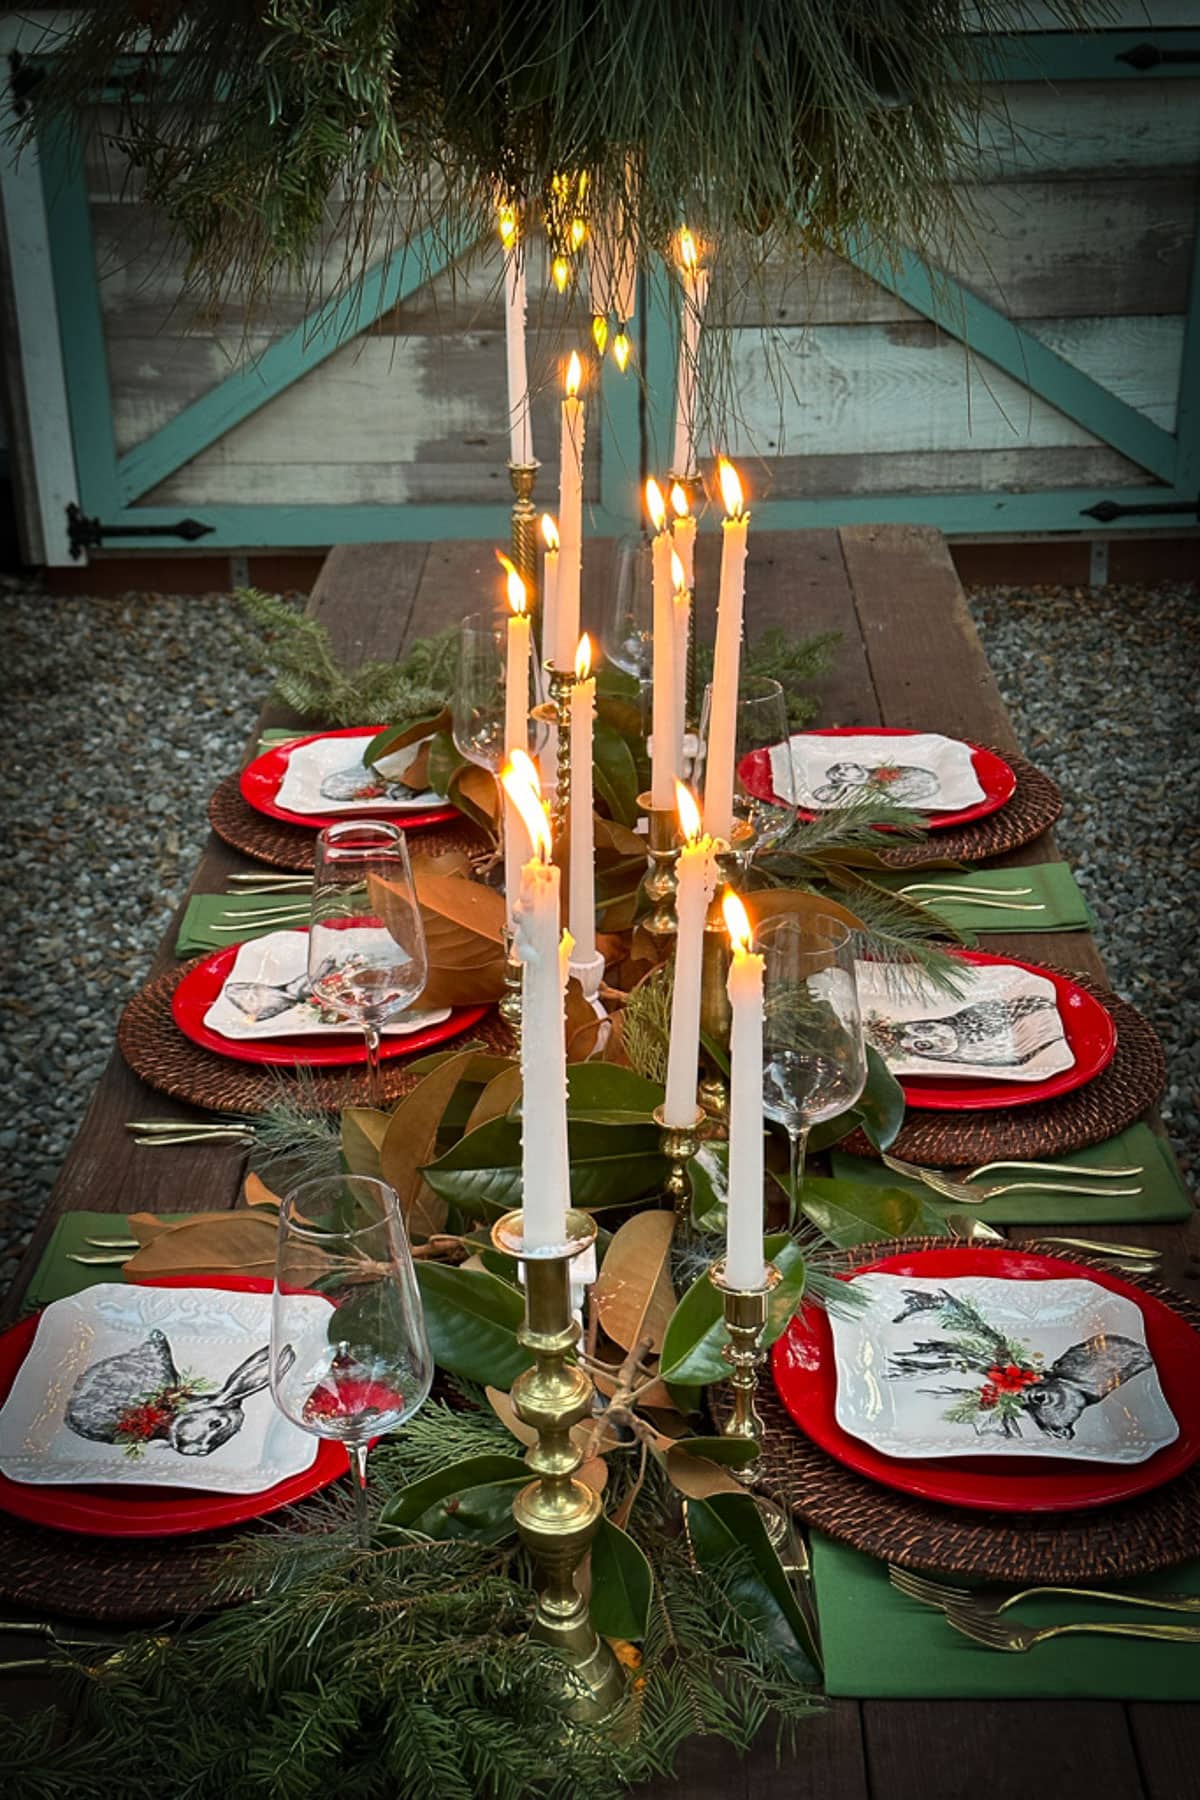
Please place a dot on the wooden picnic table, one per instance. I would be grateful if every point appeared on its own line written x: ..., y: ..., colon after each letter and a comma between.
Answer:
x: 909, y: 656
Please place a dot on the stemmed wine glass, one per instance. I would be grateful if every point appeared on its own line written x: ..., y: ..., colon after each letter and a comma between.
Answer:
x: 477, y: 706
x: 366, y: 942
x: 364, y: 1368
x: 763, y: 764
x: 627, y: 634
x: 814, y: 1054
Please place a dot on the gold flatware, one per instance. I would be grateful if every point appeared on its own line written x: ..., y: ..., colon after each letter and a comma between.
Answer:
x: 936, y: 900
x: 112, y: 1243
x: 268, y: 877
x: 974, y: 1231
x: 199, y: 1125
x: 992, y: 1603
x: 1060, y: 1169
x: 266, y: 915
x: 161, y: 1141
x: 999, y: 1634
x: 961, y: 1225
x: 101, y: 1262
x: 952, y: 890
x: 1126, y: 1252
x: 976, y: 1196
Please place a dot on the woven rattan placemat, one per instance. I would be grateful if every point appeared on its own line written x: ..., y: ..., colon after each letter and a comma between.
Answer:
x: 1033, y: 809
x: 292, y: 846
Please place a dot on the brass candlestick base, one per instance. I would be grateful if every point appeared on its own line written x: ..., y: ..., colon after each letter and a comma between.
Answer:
x: 745, y: 1321
x: 556, y: 1515
x: 659, y: 883
x: 524, y: 528
x: 679, y: 1144
x: 562, y: 686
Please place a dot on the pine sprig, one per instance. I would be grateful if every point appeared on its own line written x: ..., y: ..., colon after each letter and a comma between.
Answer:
x: 795, y: 663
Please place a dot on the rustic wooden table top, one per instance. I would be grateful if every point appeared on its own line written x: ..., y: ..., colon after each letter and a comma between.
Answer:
x: 909, y: 656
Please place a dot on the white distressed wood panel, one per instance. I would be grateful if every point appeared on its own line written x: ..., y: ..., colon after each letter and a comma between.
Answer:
x: 1085, y: 125
x: 938, y: 472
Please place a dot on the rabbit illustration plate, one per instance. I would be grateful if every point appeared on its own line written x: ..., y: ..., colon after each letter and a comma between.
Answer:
x: 152, y: 1387
x: 320, y: 779
x: 1112, y: 1419
x: 947, y: 780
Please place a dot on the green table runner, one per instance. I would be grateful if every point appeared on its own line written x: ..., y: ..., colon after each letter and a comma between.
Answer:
x: 1055, y: 889
x: 1163, y: 1196
x: 200, y: 927
x: 56, y: 1276
x: 878, y: 1644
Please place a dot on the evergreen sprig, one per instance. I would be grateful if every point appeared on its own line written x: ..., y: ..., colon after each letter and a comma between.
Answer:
x: 795, y: 663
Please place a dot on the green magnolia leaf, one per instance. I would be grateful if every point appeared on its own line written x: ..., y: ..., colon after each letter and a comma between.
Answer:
x: 708, y: 1172
x: 609, y: 1167
x: 696, y: 1334
x: 730, y: 1452
x: 622, y: 1585
x: 607, y: 1094
x: 363, y: 1132
x: 729, y: 1540
x: 472, y: 1319
x: 879, y: 1110
x: 395, y: 737
x: 445, y: 760
x: 614, y: 772
x: 853, y: 1212
x: 717, y: 1052
x: 471, y: 1498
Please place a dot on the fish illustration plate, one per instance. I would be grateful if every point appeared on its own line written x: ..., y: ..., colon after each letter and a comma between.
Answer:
x: 320, y: 779
x: 280, y: 1028
x: 1016, y: 1035
x: 949, y: 781
x: 138, y: 1386
x: 998, y: 1380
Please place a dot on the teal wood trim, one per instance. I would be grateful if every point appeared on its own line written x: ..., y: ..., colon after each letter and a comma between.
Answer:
x: 302, y: 527
x: 621, y: 440
x: 289, y: 359
x: 80, y: 322
x: 974, y: 515
x: 1187, y: 422
x: 990, y: 334
x: 660, y: 355
x: 1062, y: 56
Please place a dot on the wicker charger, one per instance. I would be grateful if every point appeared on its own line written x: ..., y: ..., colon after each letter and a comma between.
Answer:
x: 1149, y: 1532
x: 111, y: 1581
x: 293, y: 846
x: 1033, y: 809
x: 155, y: 1048
x: 1121, y: 1093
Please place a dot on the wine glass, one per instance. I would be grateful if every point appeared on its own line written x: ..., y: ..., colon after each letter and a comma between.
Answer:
x: 764, y: 777
x: 477, y: 705
x: 362, y: 1369
x: 814, y: 1054
x: 627, y: 635
x: 366, y: 942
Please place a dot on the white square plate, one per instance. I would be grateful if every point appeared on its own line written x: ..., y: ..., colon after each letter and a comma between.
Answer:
x: 266, y: 993
x: 1004, y: 1026
x: 328, y: 777
x: 978, y: 1366
x: 118, y: 1378
x: 926, y: 772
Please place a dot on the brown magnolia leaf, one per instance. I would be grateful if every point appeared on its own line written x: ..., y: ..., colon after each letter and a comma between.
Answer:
x: 464, y: 923
x: 238, y: 1243
x: 615, y: 842
x: 594, y: 1473
x: 667, y: 1421
x: 363, y: 1132
x: 698, y: 1478
x: 586, y: 1030
x: 416, y: 775
x: 496, y: 1097
x: 619, y: 914
x: 614, y: 1048
x: 772, y: 903
x: 476, y: 789
x: 633, y: 1294
x: 501, y: 1404
x: 257, y: 1193
x: 409, y: 1142
x: 420, y: 728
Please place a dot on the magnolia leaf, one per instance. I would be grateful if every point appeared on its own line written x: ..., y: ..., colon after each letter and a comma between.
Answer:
x: 730, y: 1452
x: 471, y: 1498
x: 730, y: 1541
x: 696, y: 1477
x: 445, y: 760
x: 472, y: 1321
x: 622, y: 1584
x: 708, y: 1174
x: 396, y: 737
x: 633, y: 1294
x: 774, y: 903
x: 879, y: 1110
x: 363, y: 1132
x: 696, y: 1334
x: 585, y: 1027
x: 464, y: 923
x: 852, y: 1212
x: 237, y: 1243
x: 473, y: 791
x: 593, y: 1473
x: 608, y: 1095
x: 614, y: 773
x: 257, y: 1193
x: 654, y: 1394
x: 500, y: 1095
x: 410, y: 1140
x: 501, y: 1404
x: 616, y: 845
x: 608, y: 1167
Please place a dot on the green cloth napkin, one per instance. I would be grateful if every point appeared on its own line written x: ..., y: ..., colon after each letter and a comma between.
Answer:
x: 56, y: 1276
x: 878, y: 1644
x: 198, y: 929
x: 1054, y: 888
x: 1163, y: 1196
x: 276, y: 735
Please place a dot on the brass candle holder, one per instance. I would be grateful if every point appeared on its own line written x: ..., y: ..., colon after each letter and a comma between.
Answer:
x: 562, y: 686
x: 679, y: 1144
x: 510, y: 999
x: 659, y: 883
x: 524, y: 527
x: 557, y: 1515
x: 746, y: 1312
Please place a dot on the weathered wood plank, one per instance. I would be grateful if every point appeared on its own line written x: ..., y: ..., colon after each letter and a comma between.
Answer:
x: 1006, y: 1750
x: 365, y: 598
x: 933, y: 472
x: 828, y: 1765
x: 1167, y: 1739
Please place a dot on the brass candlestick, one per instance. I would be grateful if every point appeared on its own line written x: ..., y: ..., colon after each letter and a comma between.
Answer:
x: 658, y: 883
x: 524, y: 528
x: 679, y: 1144
x: 557, y: 1515
x: 510, y: 1000
x: 562, y: 686
x: 746, y: 1312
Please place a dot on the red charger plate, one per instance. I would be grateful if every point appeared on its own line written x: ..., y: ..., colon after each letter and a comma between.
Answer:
x: 260, y: 782
x: 997, y: 780
x: 152, y: 1512
x: 802, y: 1364
x: 1089, y: 1030
x: 201, y: 985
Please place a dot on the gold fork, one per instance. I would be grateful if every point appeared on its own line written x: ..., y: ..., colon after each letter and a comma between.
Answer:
x: 999, y: 1634
x: 988, y: 1602
x: 975, y: 1196
x: 1130, y: 1257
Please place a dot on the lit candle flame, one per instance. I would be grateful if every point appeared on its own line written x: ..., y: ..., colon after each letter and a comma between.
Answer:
x: 689, y: 256
x: 506, y: 221
x: 655, y: 505
x: 583, y: 658
x: 574, y: 375
x: 560, y: 269
x: 731, y: 488
x: 578, y: 233
x: 737, y: 922
x: 621, y: 351
x: 677, y: 573
x: 515, y: 587
x: 600, y: 333
x: 679, y: 501
x: 549, y: 532
x: 689, y: 812
x: 520, y: 782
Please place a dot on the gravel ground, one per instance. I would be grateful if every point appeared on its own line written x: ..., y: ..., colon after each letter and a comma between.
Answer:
x: 123, y: 712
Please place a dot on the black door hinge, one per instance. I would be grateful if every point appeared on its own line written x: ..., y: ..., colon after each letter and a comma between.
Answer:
x: 89, y: 534
x: 1149, y: 56
x: 1107, y: 510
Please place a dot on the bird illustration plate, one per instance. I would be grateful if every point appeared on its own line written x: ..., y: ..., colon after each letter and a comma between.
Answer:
x: 1019, y: 1034
x: 1068, y: 1387
x: 320, y: 780
x: 152, y: 1387
x: 949, y: 781
x: 143, y: 1510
